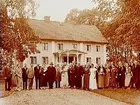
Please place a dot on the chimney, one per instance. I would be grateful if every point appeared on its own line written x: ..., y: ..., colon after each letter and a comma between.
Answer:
x: 47, y: 18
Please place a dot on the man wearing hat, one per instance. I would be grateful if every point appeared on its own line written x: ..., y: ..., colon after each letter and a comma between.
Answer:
x: 51, y: 73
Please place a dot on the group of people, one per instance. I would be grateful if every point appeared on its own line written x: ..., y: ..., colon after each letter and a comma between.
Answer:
x: 87, y: 77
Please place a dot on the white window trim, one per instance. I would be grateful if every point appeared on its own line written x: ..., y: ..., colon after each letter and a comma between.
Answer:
x: 87, y: 48
x: 44, y: 46
x: 61, y: 44
x: 98, y: 47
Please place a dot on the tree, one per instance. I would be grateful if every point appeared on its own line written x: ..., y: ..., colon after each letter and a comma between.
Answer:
x: 119, y: 21
x: 104, y: 12
x: 123, y: 32
x: 16, y: 34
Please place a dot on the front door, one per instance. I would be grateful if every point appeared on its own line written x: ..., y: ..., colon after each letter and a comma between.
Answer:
x: 71, y: 58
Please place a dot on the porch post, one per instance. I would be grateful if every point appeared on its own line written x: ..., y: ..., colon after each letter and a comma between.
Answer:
x: 77, y: 57
x: 59, y: 57
x: 67, y: 57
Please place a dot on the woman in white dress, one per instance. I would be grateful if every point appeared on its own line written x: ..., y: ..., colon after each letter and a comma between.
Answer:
x: 92, y: 80
x: 128, y: 75
x: 64, y: 76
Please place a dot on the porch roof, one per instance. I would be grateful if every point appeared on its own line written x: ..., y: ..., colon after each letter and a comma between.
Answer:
x: 72, y: 51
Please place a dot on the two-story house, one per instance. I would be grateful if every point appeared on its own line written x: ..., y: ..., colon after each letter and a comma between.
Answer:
x: 64, y: 42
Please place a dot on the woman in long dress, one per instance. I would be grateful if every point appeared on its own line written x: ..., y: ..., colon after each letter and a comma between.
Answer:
x: 18, y: 74
x: 101, y: 77
x: 64, y: 76
x: 107, y: 76
x: 128, y: 75
x: 92, y: 80
x: 86, y: 77
x: 113, y: 74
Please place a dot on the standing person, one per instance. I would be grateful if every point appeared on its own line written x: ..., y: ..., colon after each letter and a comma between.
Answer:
x: 107, y: 76
x: 128, y: 75
x: 37, y: 76
x: 92, y: 81
x: 78, y: 75
x: 64, y: 76
x: 137, y: 70
x: 24, y: 76
x: 58, y: 76
x: 101, y: 77
x: 30, y: 74
x: 71, y: 76
x: 13, y: 76
x: 18, y: 75
x: 86, y: 77
x: 133, y: 79
x: 51, y: 73
x: 97, y: 73
x: 121, y: 75
x: 113, y: 75
x: 8, y: 76
x: 43, y: 77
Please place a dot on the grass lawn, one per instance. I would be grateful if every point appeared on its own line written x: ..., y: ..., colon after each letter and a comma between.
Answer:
x: 131, y: 96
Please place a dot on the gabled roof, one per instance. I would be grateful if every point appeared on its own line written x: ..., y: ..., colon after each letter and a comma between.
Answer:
x: 51, y: 30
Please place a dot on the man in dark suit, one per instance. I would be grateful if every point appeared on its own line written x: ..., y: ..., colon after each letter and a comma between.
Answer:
x: 8, y: 76
x: 24, y: 77
x: 78, y: 75
x: 37, y: 76
x: 121, y: 75
x: 51, y: 73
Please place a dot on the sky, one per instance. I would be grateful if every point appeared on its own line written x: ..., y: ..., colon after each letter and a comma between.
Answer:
x: 58, y: 9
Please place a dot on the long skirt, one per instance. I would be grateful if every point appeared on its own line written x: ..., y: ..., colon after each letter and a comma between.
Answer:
x: 86, y: 82
x: 64, y: 81
x: 107, y: 77
x: 101, y: 80
x: 127, y: 79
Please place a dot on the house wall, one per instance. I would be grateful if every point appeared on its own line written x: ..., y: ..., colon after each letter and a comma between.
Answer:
x: 53, y: 47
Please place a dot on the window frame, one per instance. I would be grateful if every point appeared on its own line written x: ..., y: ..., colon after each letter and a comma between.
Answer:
x: 98, y: 48
x: 33, y: 59
x: 45, y: 46
x: 88, y: 59
x: 46, y: 59
x: 60, y: 46
x: 88, y: 47
x: 98, y: 60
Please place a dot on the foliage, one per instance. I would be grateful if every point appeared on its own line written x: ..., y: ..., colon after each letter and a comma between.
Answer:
x: 118, y: 20
x: 123, y: 32
x: 15, y: 31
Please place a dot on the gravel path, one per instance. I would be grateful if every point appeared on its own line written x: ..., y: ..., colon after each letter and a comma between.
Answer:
x: 57, y: 97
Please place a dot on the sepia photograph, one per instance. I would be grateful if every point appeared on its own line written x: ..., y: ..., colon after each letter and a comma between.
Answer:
x: 69, y: 52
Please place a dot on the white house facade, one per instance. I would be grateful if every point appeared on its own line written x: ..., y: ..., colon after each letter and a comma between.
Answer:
x: 63, y: 42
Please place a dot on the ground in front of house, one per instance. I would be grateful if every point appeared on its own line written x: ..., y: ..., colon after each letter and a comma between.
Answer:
x: 57, y: 97
x: 70, y: 97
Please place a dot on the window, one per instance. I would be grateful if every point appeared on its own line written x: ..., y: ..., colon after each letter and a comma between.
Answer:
x: 33, y: 60
x: 74, y: 46
x: 45, y: 60
x: 45, y: 46
x: 88, y: 47
x: 98, y: 48
x: 88, y: 59
x: 98, y: 60
x: 60, y: 46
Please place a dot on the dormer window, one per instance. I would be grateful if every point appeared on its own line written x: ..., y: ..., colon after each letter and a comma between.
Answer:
x: 74, y: 46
